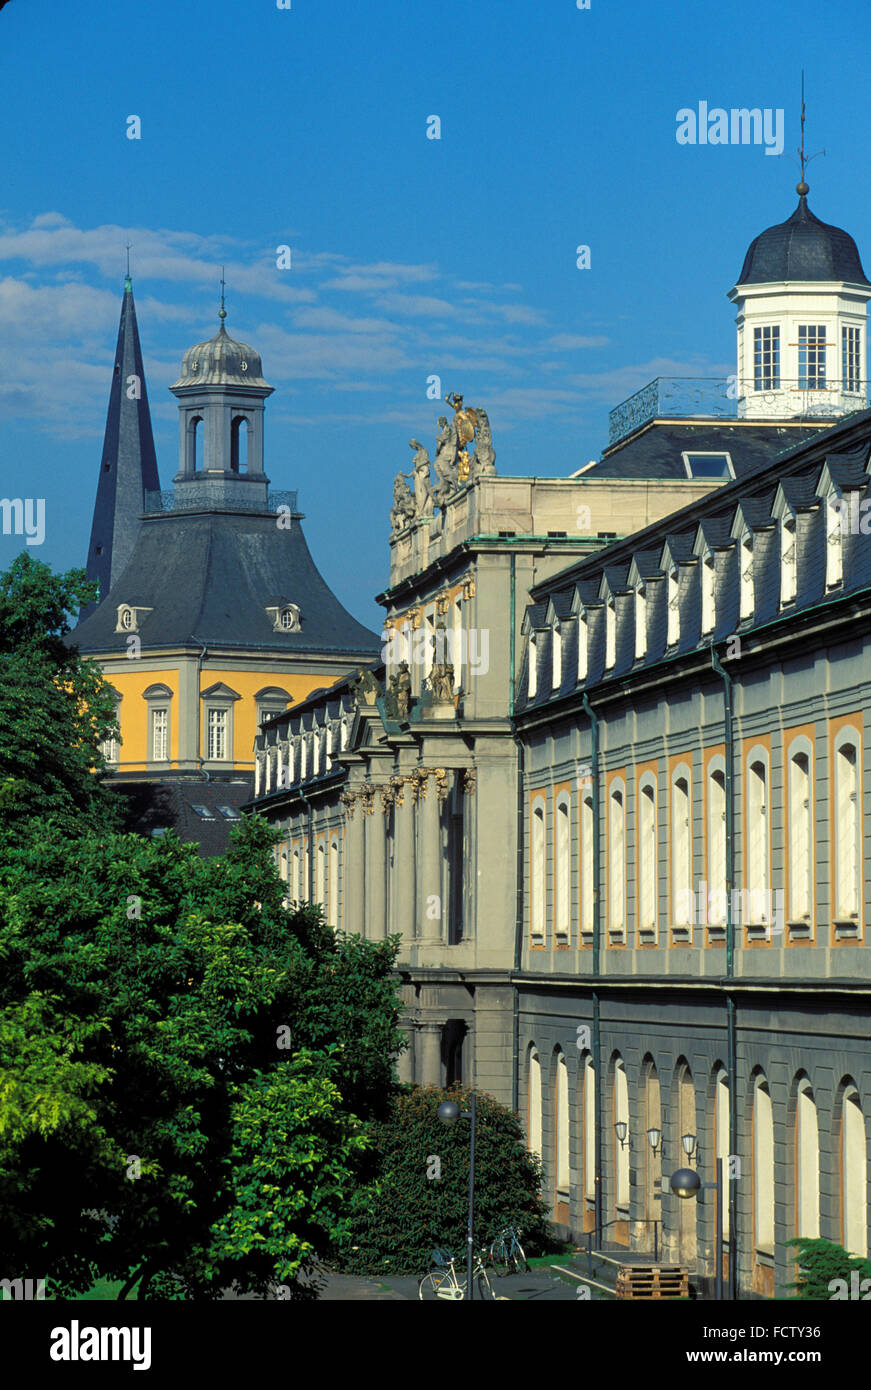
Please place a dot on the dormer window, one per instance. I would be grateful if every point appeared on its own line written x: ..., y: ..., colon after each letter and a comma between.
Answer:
x: 610, y: 634
x: 533, y: 667
x: 787, y: 559
x: 583, y: 642
x: 286, y: 618
x: 129, y: 617
x: 557, y: 656
x: 673, y: 626
x: 640, y: 622
x: 747, y: 596
x: 708, y: 577
x: 834, y: 547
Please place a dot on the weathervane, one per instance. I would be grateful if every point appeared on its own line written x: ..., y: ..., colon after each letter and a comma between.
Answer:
x: 804, y: 160
x: 222, y: 312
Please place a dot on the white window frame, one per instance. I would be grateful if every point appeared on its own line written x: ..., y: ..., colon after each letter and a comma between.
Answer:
x: 563, y: 868
x: 538, y: 875
x: 616, y: 859
x: 757, y: 847
x: 848, y: 839
x: 556, y: 656
x: 800, y: 836
x: 788, y: 564
x: 748, y: 587
x: 647, y: 857
x: 681, y: 818
x: 673, y: 618
x: 640, y: 622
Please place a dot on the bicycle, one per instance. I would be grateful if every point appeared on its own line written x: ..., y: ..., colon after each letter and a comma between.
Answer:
x: 445, y: 1283
x: 505, y: 1253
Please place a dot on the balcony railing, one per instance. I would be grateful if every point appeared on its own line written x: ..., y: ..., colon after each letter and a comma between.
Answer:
x: 728, y: 397
x: 202, y: 499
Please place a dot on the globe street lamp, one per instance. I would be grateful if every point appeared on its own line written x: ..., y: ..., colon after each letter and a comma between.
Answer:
x: 449, y: 1112
x: 686, y: 1183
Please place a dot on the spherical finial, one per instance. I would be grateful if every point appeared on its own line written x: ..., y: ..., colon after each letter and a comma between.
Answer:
x: 802, y: 189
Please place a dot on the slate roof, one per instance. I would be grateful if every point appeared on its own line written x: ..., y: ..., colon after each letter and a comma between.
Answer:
x: 171, y: 806
x: 656, y: 452
x: 128, y: 467
x: 802, y: 248
x: 209, y: 578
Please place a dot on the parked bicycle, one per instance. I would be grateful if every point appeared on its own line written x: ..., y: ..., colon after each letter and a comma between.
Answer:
x: 445, y: 1283
x: 506, y: 1252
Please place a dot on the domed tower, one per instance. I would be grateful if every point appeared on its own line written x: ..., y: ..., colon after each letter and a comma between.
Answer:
x: 801, y: 319
x: 221, y: 392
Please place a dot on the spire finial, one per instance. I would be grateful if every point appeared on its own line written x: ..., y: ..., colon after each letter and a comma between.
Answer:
x: 802, y: 188
x: 222, y: 312
x: 128, y: 285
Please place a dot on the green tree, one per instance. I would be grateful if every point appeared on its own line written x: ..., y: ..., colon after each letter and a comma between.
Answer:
x: 417, y: 1204
x: 184, y: 1056
x: 55, y: 708
x: 820, y: 1262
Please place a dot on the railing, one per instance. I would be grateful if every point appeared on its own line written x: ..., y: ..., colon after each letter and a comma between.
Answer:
x: 203, y: 499
x: 677, y: 397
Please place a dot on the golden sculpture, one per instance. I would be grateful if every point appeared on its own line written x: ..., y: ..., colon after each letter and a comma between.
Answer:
x: 466, y: 421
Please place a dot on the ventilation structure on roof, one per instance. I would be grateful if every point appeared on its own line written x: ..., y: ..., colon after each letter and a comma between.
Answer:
x: 204, y: 812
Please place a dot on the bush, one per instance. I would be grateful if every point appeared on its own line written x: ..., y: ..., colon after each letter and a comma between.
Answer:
x: 820, y: 1262
x: 412, y: 1212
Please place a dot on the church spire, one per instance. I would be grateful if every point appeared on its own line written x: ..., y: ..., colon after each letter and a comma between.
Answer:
x: 129, y: 466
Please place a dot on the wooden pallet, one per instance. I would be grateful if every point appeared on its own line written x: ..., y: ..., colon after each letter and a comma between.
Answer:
x: 653, y: 1281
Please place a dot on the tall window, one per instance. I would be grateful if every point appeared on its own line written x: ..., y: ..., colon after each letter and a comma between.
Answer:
x: 538, y: 873
x: 320, y: 875
x: 532, y: 655
x: 582, y: 647
x: 587, y: 866
x: 747, y: 598
x: 834, y: 550
x: 217, y: 734
x: 766, y: 358
x: 563, y: 870
x: 716, y: 904
x: 758, y: 850
x: 534, y: 1102
x: 295, y: 874
x: 681, y: 852
x: 811, y: 357
x: 708, y: 576
x: 617, y: 860
x: 647, y: 855
x: 848, y: 857
x: 763, y: 1165
x: 640, y: 622
x: 458, y: 642
x: 807, y: 1146
x: 800, y: 835
x: 563, y: 1169
x: 787, y: 558
x: 673, y: 632
x: 556, y: 657
x: 621, y: 1151
x: 589, y: 1129
x: 851, y: 358
x: 610, y: 633
x: 854, y: 1174
x: 160, y: 735
x: 721, y: 1122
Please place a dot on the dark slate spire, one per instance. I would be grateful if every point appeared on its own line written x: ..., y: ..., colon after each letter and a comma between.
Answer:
x: 129, y: 466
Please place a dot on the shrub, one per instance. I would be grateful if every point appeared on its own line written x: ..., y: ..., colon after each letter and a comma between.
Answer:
x: 819, y: 1263
x: 413, y: 1212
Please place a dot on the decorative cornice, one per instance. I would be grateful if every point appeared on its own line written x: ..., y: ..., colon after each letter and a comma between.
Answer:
x: 470, y: 777
x: 441, y: 777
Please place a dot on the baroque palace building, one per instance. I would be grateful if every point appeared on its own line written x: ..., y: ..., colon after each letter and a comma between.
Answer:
x: 212, y: 614
x: 608, y: 783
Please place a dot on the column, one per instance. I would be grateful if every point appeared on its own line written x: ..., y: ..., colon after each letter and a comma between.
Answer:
x: 430, y: 908
x: 429, y: 1055
x: 405, y: 1061
x: 352, y: 866
x: 404, y: 917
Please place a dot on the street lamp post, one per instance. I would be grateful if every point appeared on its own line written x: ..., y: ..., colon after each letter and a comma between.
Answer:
x: 449, y: 1112
x: 687, y: 1183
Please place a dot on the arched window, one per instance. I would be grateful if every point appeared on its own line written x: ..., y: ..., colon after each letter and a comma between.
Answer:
x: 458, y: 656
x: 239, y: 444
x: 763, y: 1166
x: 807, y: 1163
x: 589, y: 1129
x: 556, y: 657
x: 587, y: 867
x: 716, y: 904
x: 854, y: 1173
x: 196, y: 444
x: 652, y: 1157
x: 648, y: 858
x: 617, y: 860
x: 534, y: 1119
x: 758, y: 856
x: 681, y: 851
x: 561, y: 1135
x: 305, y: 893
x: 800, y: 831
x: 334, y: 881
x: 295, y: 874
x: 848, y: 829
x: 687, y: 1211
x: 539, y: 870
x: 583, y: 642
x: 621, y: 1149
x: 640, y: 622
x: 721, y: 1139
x: 563, y: 914
x: 320, y: 876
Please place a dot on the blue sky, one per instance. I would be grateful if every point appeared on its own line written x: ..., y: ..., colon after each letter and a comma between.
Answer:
x: 307, y: 127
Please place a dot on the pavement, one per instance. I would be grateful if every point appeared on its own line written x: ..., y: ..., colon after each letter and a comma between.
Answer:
x: 541, y: 1284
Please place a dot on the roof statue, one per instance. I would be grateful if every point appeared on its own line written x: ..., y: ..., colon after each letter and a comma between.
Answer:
x: 454, y: 466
